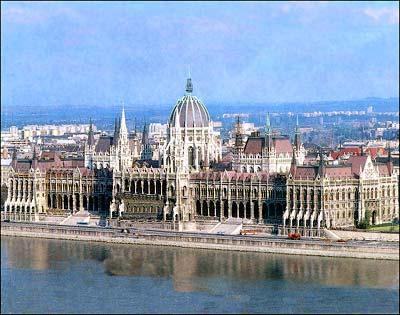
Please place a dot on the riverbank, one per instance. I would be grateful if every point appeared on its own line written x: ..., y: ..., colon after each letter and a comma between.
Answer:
x: 350, y: 249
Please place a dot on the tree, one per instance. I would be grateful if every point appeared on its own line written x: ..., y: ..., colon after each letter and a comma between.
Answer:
x: 365, y: 223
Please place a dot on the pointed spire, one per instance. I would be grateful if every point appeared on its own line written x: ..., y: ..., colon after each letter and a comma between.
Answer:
x: 14, y: 159
x: 145, y: 136
x: 389, y: 151
x: 293, y: 164
x: 90, y: 141
x: 268, y: 124
x: 34, y: 158
x: 390, y: 161
x: 297, y: 140
x: 116, y: 131
x: 238, y: 136
x: 268, y: 133
x: 321, y: 162
x: 123, y: 130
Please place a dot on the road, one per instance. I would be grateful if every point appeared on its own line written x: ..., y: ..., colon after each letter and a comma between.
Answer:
x: 134, y: 232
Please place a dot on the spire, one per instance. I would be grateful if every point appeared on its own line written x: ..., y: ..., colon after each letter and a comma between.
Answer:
x: 321, y: 162
x: 389, y: 151
x: 14, y: 159
x: 34, y: 158
x: 268, y: 134
x: 390, y: 160
x: 90, y: 141
x: 145, y: 136
x: 293, y: 164
x: 123, y: 130
x: 238, y: 135
x: 147, y: 152
x: 268, y: 124
x: 189, y: 86
x: 297, y: 141
x: 116, y: 129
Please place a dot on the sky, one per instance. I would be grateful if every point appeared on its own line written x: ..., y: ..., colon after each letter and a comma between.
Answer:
x: 99, y: 53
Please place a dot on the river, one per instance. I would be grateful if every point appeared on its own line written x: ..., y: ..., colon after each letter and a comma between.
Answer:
x: 56, y: 276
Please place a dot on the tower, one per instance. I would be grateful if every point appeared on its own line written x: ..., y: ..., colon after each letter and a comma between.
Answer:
x: 321, y: 163
x: 90, y: 147
x: 299, y: 150
x: 297, y: 140
x: 238, y: 136
x: 147, y: 152
x: 122, y: 148
x: 34, y: 164
x: 268, y: 136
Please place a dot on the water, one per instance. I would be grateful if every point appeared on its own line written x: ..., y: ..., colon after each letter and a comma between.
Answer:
x: 52, y: 276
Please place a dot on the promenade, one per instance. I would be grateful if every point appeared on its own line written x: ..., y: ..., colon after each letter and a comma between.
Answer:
x: 267, y: 244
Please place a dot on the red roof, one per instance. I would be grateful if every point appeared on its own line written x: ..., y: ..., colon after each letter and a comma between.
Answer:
x: 254, y: 145
x: 283, y: 145
x: 373, y: 152
x: 357, y: 162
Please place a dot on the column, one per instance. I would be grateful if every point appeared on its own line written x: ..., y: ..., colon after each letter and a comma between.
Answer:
x: 221, y: 206
x: 81, y: 202
x: 73, y: 203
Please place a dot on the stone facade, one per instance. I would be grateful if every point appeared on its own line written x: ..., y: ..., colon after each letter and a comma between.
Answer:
x: 268, y: 183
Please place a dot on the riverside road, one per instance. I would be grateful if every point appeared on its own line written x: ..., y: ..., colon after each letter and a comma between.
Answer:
x: 133, y: 232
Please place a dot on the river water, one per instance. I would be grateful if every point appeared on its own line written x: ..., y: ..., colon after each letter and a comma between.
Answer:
x: 54, y: 276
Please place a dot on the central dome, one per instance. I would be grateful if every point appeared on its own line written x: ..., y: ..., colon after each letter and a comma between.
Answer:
x: 190, y: 111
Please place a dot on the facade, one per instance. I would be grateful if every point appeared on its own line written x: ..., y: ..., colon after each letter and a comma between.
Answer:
x: 267, y: 183
x: 268, y: 153
x: 340, y: 195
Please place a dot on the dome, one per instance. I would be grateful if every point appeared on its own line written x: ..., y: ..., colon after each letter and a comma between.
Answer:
x: 190, y: 110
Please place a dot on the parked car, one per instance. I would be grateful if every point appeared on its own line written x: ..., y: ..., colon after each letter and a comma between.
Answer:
x: 294, y: 236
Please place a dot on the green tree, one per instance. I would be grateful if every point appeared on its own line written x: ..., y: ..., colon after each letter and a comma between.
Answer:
x: 365, y: 223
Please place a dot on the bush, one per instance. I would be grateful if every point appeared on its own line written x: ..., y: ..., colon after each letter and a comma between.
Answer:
x: 365, y: 223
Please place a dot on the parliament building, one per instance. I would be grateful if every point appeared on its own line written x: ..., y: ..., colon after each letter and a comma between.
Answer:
x: 266, y: 183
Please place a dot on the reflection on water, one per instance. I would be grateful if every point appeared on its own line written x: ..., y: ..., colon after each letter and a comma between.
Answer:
x: 187, y: 267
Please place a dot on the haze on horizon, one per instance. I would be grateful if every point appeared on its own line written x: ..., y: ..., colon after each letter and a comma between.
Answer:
x: 100, y: 53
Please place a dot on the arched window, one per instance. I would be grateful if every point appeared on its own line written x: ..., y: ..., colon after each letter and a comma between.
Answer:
x: 191, y: 157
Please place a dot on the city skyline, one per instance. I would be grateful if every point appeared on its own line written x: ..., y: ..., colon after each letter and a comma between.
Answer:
x: 85, y: 53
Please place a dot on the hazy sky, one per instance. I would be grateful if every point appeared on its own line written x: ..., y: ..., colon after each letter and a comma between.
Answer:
x: 100, y: 53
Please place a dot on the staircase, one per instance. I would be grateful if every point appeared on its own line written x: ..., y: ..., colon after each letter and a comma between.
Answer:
x: 227, y: 228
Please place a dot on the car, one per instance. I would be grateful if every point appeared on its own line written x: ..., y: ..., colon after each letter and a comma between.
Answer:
x: 221, y: 233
